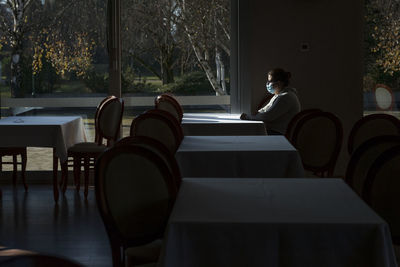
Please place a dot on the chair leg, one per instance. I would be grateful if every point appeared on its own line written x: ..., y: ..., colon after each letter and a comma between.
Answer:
x: 23, y: 167
x: 1, y: 164
x: 77, y: 173
x: 64, y: 175
x: 14, y: 169
x: 86, y: 164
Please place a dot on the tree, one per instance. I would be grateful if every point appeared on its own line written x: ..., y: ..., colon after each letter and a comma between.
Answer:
x: 149, y: 30
x: 206, y: 25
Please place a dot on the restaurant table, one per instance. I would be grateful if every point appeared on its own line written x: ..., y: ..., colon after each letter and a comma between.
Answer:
x: 273, y: 222
x: 220, y: 124
x: 58, y: 132
x: 238, y: 156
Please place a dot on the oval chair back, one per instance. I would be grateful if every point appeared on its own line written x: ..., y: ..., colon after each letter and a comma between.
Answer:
x: 318, y: 138
x: 169, y: 104
x: 370, y: 126
x: 382, y: 189
x: 158, y: 148
x: 108, y: 120
x: 157, y: 127
x: 135, y: 193
x: 293, y: 122
x: 170, y: 117
x: 384, y: 97
x: 363, y: 157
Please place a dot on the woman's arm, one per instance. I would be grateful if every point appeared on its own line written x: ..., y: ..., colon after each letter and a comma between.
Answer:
x: 279, y: 107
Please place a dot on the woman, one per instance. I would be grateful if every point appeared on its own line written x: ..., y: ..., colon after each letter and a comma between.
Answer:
x: 281, y: 108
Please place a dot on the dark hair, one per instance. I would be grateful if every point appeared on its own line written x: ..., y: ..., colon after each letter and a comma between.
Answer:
x: 279, y: 75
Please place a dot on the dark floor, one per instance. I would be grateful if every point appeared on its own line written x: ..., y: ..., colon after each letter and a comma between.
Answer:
x: 71, y: 229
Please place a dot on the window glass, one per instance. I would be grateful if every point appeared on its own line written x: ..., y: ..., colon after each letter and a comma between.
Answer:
x: 53, y: 59
x: 381, y: 57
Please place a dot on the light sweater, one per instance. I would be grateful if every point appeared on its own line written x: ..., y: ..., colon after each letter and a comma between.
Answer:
x: 278, y: 112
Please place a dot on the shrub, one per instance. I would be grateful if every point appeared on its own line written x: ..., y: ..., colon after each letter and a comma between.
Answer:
x: 193, y: 83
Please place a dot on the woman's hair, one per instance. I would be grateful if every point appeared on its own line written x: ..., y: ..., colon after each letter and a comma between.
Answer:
x: 279, y: 75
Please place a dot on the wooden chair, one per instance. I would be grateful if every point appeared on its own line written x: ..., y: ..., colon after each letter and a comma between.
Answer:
x: 382, y: 189
x: 158, y: 148
x: 370, y: 126
x: 169, y: 103
x: 107, y: 126
x: 170, y: 117
x: 14, y: 152
x: 384, y: 97
x: 157, y: 127
x: 318, y: 138
x: 135, y: 192
x: 293, y: 122
x: 364, y: 156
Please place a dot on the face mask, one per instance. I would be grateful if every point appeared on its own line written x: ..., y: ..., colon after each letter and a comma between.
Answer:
x: 270, y: 88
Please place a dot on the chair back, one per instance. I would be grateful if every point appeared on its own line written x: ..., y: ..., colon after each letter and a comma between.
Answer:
x: 384, y: 97
x: 106, y: 99
x: 108, y: 120
x: 293, y: 122
x: 363, y: 157
x: 318, y: 138
x: 382, y: 189
x: 370, y: 126
x: 169, y: 104
x: 157, y: 127
x: 170, y: 117
x: 158, y: 148
x: 135, y: 193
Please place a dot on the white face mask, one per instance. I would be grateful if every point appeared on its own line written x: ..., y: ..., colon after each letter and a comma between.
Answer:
x: 270, y: 88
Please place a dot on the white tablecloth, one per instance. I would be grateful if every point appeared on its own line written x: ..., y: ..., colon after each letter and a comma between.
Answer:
x: 220, y: 124
x: 274, y: 222
x: 42, y: 131
x: 238, y: 156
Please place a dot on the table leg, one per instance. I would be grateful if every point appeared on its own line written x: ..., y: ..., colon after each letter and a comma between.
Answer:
x: 55, y: 169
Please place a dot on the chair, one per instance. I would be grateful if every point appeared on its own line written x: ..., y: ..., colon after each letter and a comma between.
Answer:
x: 158, y: 148
x: 293, y: 122
x: 107, y: 126
x: 363, y: 157
x: 382, y: 189
x: 14, y: 152
x: 318, y: 138
x: 38, y: 260
x: 370, y: 126
x: 135, y: 192
x: 169, y: 103
x: 157, y: 127
x: 384, y: 97
x: 170, y: 117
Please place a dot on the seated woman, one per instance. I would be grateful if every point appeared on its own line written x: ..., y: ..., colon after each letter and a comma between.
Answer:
x: 282, y: 106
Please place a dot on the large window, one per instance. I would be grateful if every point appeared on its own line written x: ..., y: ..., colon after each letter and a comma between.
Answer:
x: 382, y: 57
x: 53, y: 56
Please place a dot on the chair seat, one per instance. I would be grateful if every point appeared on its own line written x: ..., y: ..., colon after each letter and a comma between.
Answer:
x: 87, y: 147
x: 143, y: 255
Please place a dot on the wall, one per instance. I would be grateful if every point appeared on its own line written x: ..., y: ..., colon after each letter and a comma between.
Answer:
x: 328, y: 75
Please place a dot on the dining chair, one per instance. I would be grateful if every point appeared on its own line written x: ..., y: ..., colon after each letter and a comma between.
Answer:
x: 169, y: 103
x: 293, y: 122
x: 170, y: 117
x: 107, y: 127
x: 158, y: 127
x: 364, y: 156
x: 384, y: 97
x: 157, y: 147
x: 381, y: 189
x: 370, y: 126
x: 135, y: 192
x: 318, y: 138
x: 14, y: 152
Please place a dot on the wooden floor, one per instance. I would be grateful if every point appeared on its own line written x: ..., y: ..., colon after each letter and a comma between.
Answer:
x: 72, y: 228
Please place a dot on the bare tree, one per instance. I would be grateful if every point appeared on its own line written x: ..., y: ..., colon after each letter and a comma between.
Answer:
x: 206, y: 25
